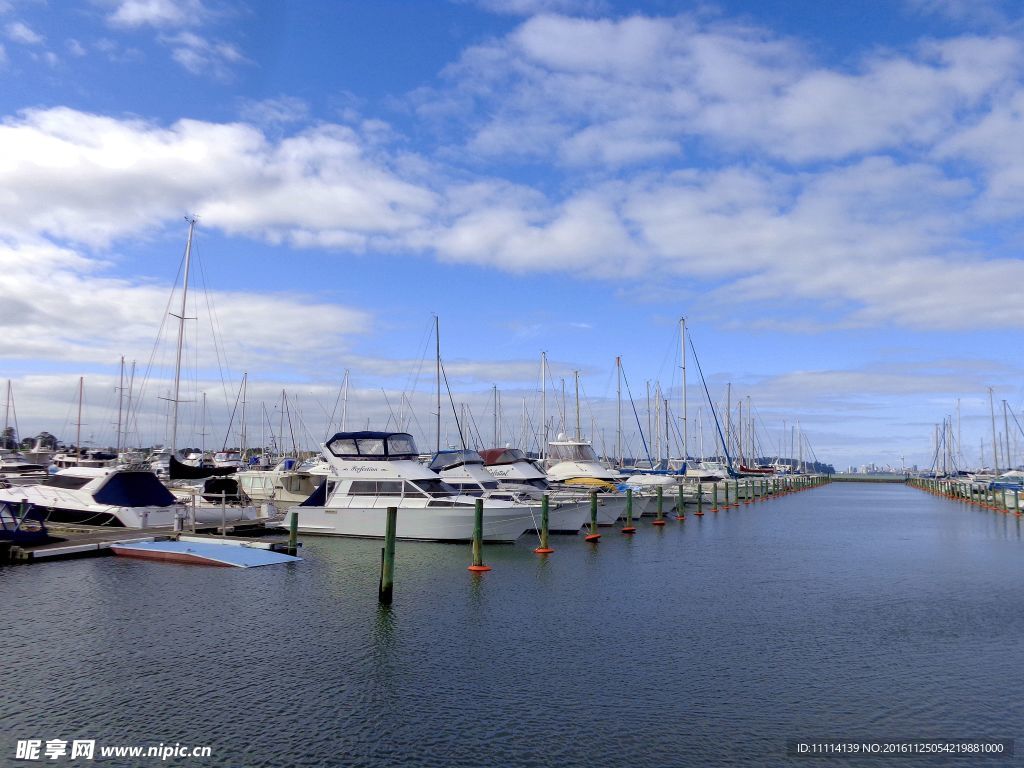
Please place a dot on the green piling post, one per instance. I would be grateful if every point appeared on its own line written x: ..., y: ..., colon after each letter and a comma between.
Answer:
x: 714, y: 496
x: 387, y: 558
x: 700, y: 499
x: 293, y: 533
x: 680, y: 504
x: 659, y: 518
x: 593, y: 535
x: 544, y: 549
x: 629, y: 527
x: 478, y: 539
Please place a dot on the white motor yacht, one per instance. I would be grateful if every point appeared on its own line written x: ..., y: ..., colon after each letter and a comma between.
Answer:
x: 573, y: 465
x: 289, y: 482
x: 371, y: 471
x: 129, y: 497
x: 514, y: 471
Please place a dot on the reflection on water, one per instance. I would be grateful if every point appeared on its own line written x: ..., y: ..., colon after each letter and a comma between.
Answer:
x: 851, y: 611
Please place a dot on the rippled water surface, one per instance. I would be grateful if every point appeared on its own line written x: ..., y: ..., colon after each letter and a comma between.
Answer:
x: 848, y: 611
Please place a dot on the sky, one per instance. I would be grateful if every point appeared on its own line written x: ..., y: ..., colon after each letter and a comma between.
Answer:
x: 830, y: 194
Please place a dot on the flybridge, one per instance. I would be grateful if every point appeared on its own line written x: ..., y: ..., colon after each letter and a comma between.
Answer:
x: 372, y: 446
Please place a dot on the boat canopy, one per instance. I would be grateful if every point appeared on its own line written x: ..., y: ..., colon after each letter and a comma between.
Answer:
x: 571, y: 451
x: 134, y: 489
x: 450, y: 459
x: 372, y: 445
x: 495, y: 456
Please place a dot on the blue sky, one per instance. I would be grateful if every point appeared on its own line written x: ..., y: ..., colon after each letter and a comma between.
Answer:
x: 830, y: 193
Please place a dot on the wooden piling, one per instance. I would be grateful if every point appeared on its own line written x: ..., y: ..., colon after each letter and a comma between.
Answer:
x: 293, y: 533
x: 680, y: 504
x: 387, y: 558
x: 629, y: 527
x: 478, y: 539
x: 659, y: 518
x: 700, y: 499
x: 544, y: 549
x: 593, y: 535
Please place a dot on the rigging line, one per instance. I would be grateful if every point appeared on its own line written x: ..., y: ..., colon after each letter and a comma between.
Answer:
x: 215, y: 331
x: 721, y: 437
x: 444, y: 374
x: 391, y: 410
x: 636, y: 416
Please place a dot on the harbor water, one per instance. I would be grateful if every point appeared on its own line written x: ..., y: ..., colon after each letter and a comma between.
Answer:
x: 851, y: 611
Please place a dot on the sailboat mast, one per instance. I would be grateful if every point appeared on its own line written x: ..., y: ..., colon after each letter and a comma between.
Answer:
x: 682, y: 353
x: 437, y: 376
x: 579, y: 434
x: 181, y: 336
x: 618, y: 410
x: 728, y: 416
x: 995, y: 442
x: 241, y: 447
x: 1006, y: 435
x: 120, y: 403
x: 543, y: 405
x: 78, y: 432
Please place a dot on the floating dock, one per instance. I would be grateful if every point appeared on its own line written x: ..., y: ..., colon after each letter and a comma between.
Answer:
x: 79, y: 542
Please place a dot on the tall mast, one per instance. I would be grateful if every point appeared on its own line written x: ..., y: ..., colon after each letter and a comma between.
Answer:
x: 437, y: 359
x: 579, y: 433
x: 995, y: 442
x: 7, y: 408
x: 120, y: 402
x: 543, y: 405
x: 618, y: 410
x: 682, y: 345
x: 495, y: 416
x: 344, y: 405
x: 78, y: 432
x: 1006, y: 434
x: 750, y: 433
x: 181, y: 335
x: 739, y: 431
x: 728, y: 416
x: 241, y: 440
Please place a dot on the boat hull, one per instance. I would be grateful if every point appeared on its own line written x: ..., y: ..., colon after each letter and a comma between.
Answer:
x: 447, y: 523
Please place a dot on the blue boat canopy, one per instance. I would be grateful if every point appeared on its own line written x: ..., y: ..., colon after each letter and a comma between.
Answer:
x: 373, y: 445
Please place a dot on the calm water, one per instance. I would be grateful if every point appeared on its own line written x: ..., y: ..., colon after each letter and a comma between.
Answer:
x: 851, y: 611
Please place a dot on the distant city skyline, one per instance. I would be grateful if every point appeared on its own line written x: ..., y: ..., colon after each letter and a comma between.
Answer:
x: 829, y: 194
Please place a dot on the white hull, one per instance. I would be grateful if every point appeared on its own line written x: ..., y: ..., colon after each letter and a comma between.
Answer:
x: 63, y: 505
x: 436, y: 523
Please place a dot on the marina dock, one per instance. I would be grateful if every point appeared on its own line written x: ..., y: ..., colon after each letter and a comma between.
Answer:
x: 76, y: 542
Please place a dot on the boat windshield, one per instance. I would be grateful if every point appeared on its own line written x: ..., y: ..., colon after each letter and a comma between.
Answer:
x: 373, y: 446
x: 494, y: 456
x: 572, y: 452
x: 449, y: 459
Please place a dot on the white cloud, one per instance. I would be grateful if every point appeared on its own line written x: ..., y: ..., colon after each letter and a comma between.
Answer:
x: 157, y: 13
x: 84, y: 317
x: 615, y: 91
x: 533, y: 7
x: 75, y: 48
x: 92, y: 179
x: 203, y: 57
x: 20, y: 32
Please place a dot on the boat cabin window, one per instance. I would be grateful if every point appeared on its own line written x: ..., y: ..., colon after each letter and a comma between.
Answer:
x: 70, y: 482
x: 434, y: 488
x: 375, y: 488
x: 572, y: 452
x: 342, y: 447
x: 401, y: 445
